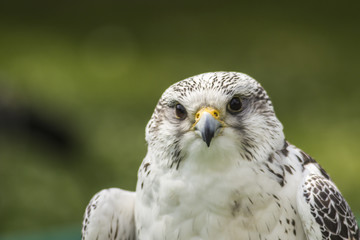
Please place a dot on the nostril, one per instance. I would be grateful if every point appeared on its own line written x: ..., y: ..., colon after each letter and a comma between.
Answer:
x: 216, y: 114
x: 197, y: 116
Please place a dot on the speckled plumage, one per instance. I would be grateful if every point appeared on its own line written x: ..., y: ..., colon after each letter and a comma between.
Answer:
x: 247, y: 183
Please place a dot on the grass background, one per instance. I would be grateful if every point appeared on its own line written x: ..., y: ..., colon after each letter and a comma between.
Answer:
x: 93, y: 71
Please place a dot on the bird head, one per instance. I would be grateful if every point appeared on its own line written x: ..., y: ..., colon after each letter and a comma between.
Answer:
x: 214, y: 113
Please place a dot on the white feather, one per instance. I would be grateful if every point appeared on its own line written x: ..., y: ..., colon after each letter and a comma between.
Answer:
x: 110, y: 216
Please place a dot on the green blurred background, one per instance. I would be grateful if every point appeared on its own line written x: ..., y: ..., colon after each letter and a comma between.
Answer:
x: 79, y: 81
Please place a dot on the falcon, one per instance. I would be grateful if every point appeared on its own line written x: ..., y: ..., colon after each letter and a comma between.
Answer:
x: 218, y: 166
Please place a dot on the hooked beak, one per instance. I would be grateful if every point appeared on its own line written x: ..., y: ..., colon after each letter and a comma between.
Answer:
x: 207, y: 123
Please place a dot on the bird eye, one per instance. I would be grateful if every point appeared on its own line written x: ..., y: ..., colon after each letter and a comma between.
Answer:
x: 234, y: 105
x: 180, y: 111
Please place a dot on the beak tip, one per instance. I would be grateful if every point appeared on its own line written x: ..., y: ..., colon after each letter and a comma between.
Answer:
x: 208, y: 138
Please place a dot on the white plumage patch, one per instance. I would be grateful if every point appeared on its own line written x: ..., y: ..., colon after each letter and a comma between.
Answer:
x: 234, y: 176
x: 110, y: 215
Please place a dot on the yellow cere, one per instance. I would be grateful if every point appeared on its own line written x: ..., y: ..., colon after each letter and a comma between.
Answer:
x: 215, y: 113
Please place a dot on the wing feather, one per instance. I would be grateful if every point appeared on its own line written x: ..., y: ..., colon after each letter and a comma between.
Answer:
x: 324, y: 212
x: 110, y: 216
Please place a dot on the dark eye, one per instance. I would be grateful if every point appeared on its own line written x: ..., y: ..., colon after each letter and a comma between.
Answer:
x: 180, y: 111
x: 234, y: 105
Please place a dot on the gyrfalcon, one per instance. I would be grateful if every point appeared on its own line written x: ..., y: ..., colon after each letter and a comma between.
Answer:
x: 218, y: 166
